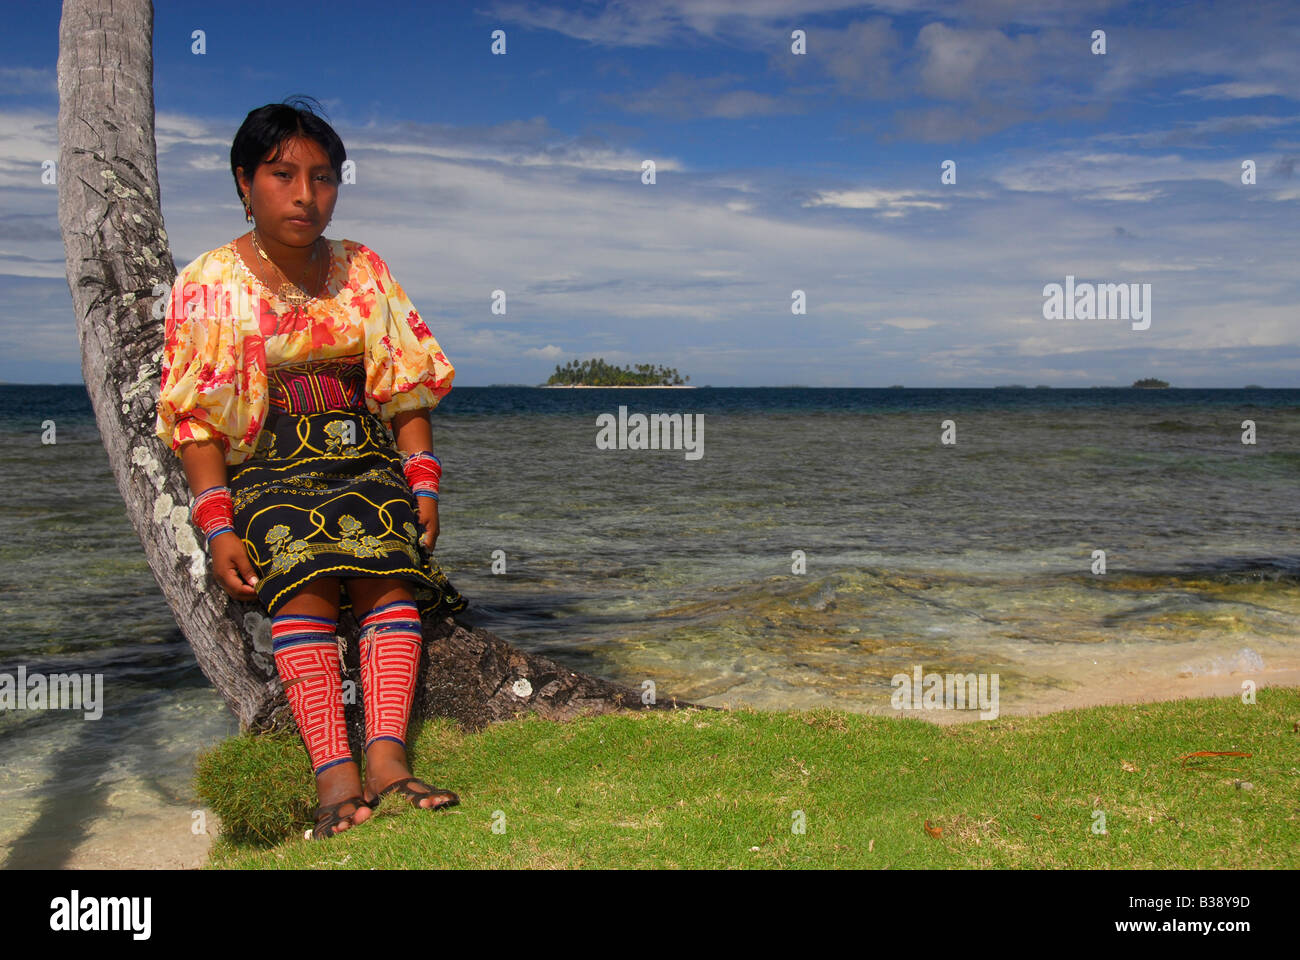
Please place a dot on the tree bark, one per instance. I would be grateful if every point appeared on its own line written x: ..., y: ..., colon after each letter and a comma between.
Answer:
x: 120, y: 270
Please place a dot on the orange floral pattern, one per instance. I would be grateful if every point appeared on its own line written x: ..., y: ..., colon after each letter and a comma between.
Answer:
x: 224, y: 329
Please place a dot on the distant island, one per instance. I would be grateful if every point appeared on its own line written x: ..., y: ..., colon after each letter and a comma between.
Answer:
x: 1150, y: 383
x: 598, y: 373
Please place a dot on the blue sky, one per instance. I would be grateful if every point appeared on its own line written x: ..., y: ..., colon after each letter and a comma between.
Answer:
x: 775, y: 172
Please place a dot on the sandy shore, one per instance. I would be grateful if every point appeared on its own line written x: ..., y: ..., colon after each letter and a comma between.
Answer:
x: 162, y: 841
x: 1135, y: 689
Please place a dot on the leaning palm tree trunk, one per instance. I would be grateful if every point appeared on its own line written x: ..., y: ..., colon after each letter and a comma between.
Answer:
x: 120, y: 270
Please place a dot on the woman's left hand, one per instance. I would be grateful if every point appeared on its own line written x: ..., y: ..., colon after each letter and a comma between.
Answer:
x: 429, y: 520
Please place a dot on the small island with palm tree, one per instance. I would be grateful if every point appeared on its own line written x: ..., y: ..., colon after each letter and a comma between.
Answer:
x: 598, y: 373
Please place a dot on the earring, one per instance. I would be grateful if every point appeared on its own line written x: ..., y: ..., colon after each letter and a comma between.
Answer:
x: 248, y: 211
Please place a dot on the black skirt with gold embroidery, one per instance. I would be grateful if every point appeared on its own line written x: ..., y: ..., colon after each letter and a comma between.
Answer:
x: 323, y: 495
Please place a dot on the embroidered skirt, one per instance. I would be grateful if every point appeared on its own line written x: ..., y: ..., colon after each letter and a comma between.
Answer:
x: 323, y: 494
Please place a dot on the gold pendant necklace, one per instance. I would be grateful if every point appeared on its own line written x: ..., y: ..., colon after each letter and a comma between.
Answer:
x: 290, y: 292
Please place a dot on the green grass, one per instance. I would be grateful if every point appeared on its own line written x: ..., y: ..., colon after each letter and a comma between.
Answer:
x: 695, y: 788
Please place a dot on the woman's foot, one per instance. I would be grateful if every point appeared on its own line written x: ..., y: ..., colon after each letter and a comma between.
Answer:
x: 338, y: 788
x: 386, y: 766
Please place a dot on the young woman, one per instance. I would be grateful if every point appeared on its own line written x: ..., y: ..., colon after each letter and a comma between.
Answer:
x: 297, y: 382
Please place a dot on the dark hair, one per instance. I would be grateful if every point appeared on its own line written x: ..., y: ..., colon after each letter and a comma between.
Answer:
x: 270, y: 126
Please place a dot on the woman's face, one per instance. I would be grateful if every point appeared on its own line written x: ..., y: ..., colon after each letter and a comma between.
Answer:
x: 301, y: 184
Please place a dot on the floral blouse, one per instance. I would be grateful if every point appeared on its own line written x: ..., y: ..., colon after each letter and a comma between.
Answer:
x: 224, y: 328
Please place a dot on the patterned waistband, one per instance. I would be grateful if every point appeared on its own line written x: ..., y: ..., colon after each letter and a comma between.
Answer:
x: 317, y: 385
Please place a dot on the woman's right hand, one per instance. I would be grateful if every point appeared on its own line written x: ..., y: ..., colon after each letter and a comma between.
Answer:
x: 232, y: 568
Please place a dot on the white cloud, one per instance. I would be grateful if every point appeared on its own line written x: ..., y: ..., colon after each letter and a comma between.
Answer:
x: 1125, y: 194
x: 548, y: 352
x: 1236, y: 90
x: 1148, y: 266
x: 895, y: 202
x: 909, y: 323
x: 963, y: 64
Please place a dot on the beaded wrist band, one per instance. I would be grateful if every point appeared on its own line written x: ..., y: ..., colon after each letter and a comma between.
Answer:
x: 214, y: 512
x: 423, y: 470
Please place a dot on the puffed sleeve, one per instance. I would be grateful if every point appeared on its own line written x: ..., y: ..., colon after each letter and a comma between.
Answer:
x: 405, y: 367
x: 197, y: 400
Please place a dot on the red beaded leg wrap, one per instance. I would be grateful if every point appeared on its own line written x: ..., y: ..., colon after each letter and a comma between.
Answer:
x: 391, y: 638
x: 305, y: 647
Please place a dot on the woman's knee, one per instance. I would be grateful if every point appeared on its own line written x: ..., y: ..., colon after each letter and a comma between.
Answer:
x: 370, y: 592
x: 319, y: 598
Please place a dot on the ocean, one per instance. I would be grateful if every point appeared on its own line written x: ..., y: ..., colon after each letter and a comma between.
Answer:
x: 824, y: 542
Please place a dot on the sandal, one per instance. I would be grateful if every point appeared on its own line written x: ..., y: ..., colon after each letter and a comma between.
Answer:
x: 327, y: 817
x: 403, y: 786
